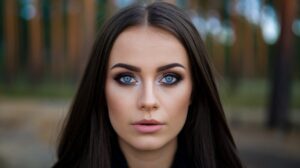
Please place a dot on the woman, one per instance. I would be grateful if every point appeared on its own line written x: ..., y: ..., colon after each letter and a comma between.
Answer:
x: 147, y: 98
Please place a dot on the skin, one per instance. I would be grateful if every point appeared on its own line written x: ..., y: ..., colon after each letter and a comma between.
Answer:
x: 153, y: 92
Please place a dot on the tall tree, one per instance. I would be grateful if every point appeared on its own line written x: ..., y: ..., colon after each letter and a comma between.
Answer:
x: 89, y: 30
x: 281, y: 77
x: 57, y: 39
x: 11, y: 39
x: 36, y: 43
x: 74, y: 36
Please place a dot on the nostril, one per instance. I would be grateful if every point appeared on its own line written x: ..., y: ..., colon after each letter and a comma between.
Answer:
x: 152, y: 107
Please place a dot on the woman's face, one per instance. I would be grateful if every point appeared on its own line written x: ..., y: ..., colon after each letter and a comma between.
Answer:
x: 148, y: 87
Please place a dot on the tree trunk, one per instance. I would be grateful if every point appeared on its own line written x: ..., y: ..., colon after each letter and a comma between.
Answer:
x: 11, y: 40
x: 57, y: 40
x: 35, y: 44
x: 281, y: 77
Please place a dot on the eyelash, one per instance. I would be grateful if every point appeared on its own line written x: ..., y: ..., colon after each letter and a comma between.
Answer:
x: 175, y: 76
x: 120, y: 78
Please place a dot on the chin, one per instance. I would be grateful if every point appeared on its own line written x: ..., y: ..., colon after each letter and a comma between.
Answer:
x: 147, y: 143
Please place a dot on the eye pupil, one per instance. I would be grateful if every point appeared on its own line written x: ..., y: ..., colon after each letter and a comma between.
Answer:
x: 169, y: 79
x: 127, y: 79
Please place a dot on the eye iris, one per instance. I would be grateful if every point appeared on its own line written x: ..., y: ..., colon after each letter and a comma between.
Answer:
x: 127, y: 79
x: 169, y: 79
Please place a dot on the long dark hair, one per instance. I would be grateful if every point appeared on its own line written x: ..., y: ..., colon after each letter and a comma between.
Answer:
x: 87, y: 137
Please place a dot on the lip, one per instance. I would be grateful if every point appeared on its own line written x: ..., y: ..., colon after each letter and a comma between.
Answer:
x: 148, y: 126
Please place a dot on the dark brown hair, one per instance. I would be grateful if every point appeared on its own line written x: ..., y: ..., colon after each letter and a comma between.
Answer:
x: 87, y: 137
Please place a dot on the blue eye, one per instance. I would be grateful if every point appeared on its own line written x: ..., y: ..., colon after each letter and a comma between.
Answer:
x: 125, y: 79
x: 170, y: 79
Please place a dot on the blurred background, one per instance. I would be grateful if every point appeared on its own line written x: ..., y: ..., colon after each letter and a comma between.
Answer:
x: 254, y: 45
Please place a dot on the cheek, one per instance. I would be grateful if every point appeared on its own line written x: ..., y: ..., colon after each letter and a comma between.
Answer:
x: 119, y: 102
x: 176, y: 103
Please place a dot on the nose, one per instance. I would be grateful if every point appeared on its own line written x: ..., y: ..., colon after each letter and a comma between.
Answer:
x: 148, y: 101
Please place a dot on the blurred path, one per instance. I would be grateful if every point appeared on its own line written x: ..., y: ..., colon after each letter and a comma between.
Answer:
x: 29, y: 128
x: 262, y: 148
x: 28, y: 131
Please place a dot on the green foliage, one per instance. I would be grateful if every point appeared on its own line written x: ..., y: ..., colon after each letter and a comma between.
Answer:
x: 253, y: 93
x: 44, y: 90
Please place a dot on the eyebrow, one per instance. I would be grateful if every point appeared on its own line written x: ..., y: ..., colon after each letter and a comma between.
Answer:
x: 127, y: 66
x: 137, y: 69
x: 169, y: 66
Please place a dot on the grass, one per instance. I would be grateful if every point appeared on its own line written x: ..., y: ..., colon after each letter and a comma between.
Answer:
x: 253, y: 93
x: 44, y: 90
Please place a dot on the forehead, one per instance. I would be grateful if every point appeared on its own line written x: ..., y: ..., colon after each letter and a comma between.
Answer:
x: 146, y: 46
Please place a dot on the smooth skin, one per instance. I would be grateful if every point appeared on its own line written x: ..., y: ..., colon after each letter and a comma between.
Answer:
x: 148, y: 77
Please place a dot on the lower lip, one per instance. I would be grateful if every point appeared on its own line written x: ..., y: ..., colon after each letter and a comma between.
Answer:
x: 147, y: 128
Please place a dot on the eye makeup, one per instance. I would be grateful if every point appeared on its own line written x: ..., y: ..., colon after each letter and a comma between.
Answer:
x: 170, y: 78
x: 166, y: 79
x: 125, y: 78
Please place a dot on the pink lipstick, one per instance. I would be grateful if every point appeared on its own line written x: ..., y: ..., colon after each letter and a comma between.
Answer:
x: 148, y: 126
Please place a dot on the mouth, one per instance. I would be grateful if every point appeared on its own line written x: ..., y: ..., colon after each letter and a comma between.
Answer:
x: 148, y: 126
x: 148, y: 122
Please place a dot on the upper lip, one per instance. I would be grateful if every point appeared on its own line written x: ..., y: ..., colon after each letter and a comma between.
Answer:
x: 148, y: 122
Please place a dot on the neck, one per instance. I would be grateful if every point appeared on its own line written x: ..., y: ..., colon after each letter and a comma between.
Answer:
x: 162, y: 157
